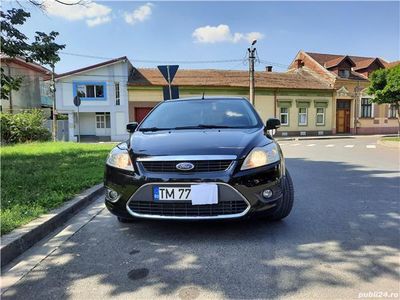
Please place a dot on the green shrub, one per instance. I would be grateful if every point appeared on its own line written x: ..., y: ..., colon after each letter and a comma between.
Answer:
x: 23, y: 127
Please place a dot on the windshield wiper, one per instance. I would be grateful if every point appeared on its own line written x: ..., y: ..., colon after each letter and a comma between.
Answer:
x: 153, y: 129
x: 201, y: 126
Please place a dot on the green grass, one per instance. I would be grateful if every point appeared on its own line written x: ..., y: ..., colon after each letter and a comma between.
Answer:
x: 37, y: 177
x: 391, y: 139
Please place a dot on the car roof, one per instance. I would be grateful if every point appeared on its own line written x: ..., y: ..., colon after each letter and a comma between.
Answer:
x: 208, y: 98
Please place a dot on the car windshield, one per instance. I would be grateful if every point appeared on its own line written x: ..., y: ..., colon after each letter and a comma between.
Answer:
x: 187, y: 114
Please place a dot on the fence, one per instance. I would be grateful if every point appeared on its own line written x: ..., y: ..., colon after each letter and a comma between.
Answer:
x: 62, y: 129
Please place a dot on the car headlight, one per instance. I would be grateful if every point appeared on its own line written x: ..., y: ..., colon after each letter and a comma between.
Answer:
x: 119, y: 158
x: 261, y: 156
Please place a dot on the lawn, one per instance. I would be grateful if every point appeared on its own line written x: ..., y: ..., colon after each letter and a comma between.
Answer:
x: 37, y: 177
x: 391, y: 139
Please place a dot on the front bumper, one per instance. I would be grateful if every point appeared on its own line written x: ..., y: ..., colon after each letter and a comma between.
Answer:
x: 239, y: 193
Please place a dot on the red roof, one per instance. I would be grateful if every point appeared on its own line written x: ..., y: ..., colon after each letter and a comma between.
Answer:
x: 299, y: 79
x: 22, y: 62
x: 361, y: 62
x: 102, y: 64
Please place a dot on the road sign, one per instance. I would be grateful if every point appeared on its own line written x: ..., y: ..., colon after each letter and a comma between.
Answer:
x: 168, y: 72
x: 174, y: 92
x: 77, y: 101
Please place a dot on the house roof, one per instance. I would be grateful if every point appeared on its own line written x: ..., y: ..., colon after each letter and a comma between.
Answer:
x: 336, y: 61
x: 360, y: 62
x: 299, y: 79
x: 91, y: 67
x: 393, y: 64
x: 23, y: 63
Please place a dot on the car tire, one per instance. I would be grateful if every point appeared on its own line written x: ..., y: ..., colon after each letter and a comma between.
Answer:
x: 284, y: 206
x: 125, y: 220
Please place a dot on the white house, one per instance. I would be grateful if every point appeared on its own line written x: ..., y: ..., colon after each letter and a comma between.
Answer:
x: 102, y: 88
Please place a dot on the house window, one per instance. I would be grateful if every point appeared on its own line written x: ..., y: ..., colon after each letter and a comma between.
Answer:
x: 103, y: 120
x: 320, y: 116
x: 90, y: 90
x: 366, y: 108
x: 302, y: 116
x: 344, y: 73
x: 117, y: 96
x: 392, y: 111
x: 284, y: 115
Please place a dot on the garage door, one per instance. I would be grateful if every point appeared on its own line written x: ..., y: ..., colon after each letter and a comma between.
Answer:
x: 141, y: 113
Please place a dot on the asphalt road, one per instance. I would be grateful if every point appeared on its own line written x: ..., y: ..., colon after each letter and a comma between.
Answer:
x: 341, y: 241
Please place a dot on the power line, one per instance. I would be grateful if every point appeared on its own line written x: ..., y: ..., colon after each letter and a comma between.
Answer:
x: 159, y: 61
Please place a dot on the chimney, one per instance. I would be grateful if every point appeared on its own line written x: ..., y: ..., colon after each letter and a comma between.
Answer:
x: 268, y: 68
x: 299, y: 63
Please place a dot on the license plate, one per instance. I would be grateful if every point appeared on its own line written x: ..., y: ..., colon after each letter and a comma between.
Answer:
x: 172, y: 193
x: 198, y: 194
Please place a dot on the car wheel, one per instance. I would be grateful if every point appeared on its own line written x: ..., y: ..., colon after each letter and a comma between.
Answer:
x: 125, y: 220
x: 284, y: 206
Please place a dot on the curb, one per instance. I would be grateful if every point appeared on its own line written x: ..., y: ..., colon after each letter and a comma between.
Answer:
x: 21, y: 239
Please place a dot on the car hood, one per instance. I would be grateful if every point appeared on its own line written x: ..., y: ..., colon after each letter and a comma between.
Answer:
x: 198, y: 142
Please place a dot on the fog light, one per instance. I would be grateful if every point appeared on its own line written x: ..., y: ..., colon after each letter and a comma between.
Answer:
x: 267, y: 194
x: 112, y: 195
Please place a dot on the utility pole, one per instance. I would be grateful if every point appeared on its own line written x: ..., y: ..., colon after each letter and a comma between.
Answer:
x: 53, y: 95
x: 252, y: 58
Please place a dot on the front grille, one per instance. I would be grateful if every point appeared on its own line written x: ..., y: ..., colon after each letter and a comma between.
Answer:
x: 186, y: 209
x: 199, y: 166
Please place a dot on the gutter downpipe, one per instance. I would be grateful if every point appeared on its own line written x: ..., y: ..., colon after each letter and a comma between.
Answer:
x: 275, y: 104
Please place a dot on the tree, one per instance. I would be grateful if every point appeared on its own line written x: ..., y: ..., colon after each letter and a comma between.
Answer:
x: 13, y: 43
x: 45, y: 50
x: 385, y: 86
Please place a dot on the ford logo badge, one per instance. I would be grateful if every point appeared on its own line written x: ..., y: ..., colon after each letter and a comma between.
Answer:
x: 185, y: 166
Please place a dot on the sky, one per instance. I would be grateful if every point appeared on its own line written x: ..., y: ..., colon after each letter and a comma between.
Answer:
x: 153, y: 33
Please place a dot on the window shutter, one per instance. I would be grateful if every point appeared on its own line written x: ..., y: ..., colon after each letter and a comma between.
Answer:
x: 386, y: 110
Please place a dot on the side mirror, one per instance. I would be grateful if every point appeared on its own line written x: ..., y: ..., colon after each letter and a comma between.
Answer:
x: 272, y: 124
x: 130, y: 127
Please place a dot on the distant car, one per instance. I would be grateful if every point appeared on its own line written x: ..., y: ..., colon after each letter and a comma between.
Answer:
x: 196, y: 159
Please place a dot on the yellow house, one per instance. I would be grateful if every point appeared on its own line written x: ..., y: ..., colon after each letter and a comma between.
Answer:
x: 302, y: 101
x: 352, y: 108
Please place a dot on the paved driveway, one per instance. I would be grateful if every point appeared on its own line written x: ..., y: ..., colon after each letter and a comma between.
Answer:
x: 342, y: 239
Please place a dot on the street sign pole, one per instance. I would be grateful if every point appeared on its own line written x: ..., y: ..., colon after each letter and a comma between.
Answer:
x: 77, y: 103
x: 169, y: 83
x: 79, y: 127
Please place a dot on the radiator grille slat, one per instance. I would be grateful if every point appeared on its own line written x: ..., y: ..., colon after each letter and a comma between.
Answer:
x: 199, y: 166
x: 186, y: 209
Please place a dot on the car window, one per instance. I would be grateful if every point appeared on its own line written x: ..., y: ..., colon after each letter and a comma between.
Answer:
x: 187, y: 113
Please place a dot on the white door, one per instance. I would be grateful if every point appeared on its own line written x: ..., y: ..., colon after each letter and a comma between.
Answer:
x: 103, y: 124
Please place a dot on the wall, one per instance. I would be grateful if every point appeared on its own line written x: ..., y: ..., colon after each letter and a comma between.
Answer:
x: 28, y: 95
x: 379, y: 123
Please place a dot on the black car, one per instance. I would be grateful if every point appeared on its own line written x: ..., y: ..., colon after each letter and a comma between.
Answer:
x: 198, y: 158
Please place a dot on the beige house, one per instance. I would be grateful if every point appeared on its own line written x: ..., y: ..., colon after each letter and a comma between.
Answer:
x: 299, y: 98
x: 352, y: 108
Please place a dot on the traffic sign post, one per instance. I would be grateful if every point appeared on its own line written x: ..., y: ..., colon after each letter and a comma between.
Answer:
x: 77, y: 103
x: 169, y: 73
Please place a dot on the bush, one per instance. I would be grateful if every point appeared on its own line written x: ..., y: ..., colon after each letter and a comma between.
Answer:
x: 23, y: 127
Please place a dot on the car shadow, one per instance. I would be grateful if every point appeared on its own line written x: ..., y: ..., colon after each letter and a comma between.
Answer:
x: 343, y: 232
